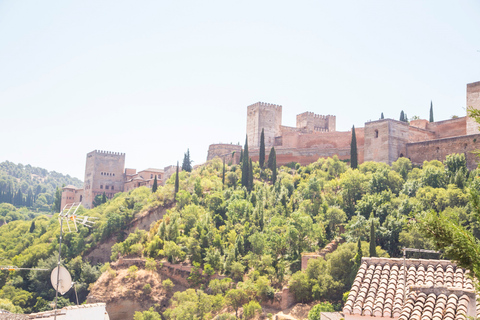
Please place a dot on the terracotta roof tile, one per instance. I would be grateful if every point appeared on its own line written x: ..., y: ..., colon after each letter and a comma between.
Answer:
x: 379, y: 286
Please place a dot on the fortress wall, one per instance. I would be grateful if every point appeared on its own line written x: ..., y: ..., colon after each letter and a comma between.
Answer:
x: 316, y: 122
x: 449, y: 128
x: 322, y: 139
x: 416, y: 134
x: 440, y: 148
x: 306, y: 156
x: 225, y: 150
x: 473, y: 100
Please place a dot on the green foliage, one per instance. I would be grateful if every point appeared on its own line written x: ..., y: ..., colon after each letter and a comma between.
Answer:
x: 314, y: 313
x: 155, y: 184
x: 251, y: 309
x: 149, y: 314
x: 132, y: 272
x: 373, y: 252
x: 431, y: 112
x: 168, y: 285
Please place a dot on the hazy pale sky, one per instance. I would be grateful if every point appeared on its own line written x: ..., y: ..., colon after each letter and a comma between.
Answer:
x: 153, y: 78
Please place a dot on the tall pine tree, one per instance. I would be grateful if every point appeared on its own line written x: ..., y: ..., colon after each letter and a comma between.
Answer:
x: 250, y: 176
x: 261, y: 156
x: 223, y: 172
x: 272, y: 164
x: 431, y: 111
x: 402, y: 116
x: 381, y: 116
x: 353, y: 150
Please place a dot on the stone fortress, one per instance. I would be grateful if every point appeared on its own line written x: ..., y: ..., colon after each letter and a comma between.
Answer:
x: 105, y: 172
x: 384, y: 140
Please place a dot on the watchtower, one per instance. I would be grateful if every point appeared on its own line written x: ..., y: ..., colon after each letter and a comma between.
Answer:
x: 104, y: 173
x: 473, y: 100
x: 264, y: 116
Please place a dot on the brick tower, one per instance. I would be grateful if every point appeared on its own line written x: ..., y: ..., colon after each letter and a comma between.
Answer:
x: 104, y: 172
x: 265, y: 116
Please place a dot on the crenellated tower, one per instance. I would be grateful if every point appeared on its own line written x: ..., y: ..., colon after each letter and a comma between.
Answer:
x: 316, y: 122
x: 473, y: 100
x: 265, y: 116
x: 104, y: 173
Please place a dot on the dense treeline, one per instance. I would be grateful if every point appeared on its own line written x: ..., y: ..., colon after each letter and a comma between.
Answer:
x: 255, y: 237
x: 32, y: 187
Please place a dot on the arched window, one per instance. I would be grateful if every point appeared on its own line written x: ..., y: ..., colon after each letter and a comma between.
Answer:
x: 376, y: 133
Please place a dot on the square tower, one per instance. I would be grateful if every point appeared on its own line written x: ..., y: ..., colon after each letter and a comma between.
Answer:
x: 104, y: 173
x: 473, y: 100
x: 264, y: 116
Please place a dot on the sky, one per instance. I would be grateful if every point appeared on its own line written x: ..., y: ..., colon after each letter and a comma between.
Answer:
x: 154, y: 78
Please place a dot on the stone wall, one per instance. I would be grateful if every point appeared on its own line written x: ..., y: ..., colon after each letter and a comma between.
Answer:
x: 329, y: 248
x: 315, y: 122
x: 449, y: 128
x: 439, y: 149
x: 225, y: 150
x: 385, y: 140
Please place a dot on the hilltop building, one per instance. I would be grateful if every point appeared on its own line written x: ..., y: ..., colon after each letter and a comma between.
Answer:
x: 386, y: 140
x: 105, y: 172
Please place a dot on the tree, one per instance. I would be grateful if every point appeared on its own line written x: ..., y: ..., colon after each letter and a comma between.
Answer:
x: 245, y: 165
x: 353, y: 150
x: 223, y: 172
x: 314, y: 313
x: 149, y: 314
x: 373, y: 252
x: 381, y: 116
x: 236, y: 298
x: 58, y: 200
x: 272, y: 164
x: 431, y: 111
x: 155, y: 185
x: 402, y: 116
x: 187, y: 163
x: 104, y: 198
x: 261, y: 156
x: 177, y: 182
x: 250, y: 176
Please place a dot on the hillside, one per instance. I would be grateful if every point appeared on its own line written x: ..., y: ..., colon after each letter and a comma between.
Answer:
x: 240, y: 249
x: 32, y: 187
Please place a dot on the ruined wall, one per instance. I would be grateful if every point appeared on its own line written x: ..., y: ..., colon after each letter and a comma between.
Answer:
x: 473, y: 100
x: 315, y: 122
x: 263, y: 116
x: 225, y: 150
x: 439, y: 149
x: 103, y: 173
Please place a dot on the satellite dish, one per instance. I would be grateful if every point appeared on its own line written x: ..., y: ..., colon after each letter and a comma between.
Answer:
x: 64, y: 279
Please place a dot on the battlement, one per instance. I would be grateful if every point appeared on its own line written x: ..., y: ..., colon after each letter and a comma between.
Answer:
x: 314, y: 116
x: 265, y: 105
x: 108, y: 152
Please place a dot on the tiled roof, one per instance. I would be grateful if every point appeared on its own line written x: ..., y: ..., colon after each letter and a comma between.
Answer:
x: 379, y: 287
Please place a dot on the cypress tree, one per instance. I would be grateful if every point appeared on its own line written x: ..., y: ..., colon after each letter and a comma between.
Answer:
x: 353, y: 150
x: 402, y: 116
x: 373, y: 251
x: 381, y: 116
x: 177, y: 182
x: 261, y: 156
x: 270, y: 159
x: 155, y: 185
x: 32, y: 227
x: 273, y: 155
x: 431, y: 111
x: 245, y: 165
x: 223, y: 172
x: 57, y: 203
x: 405, y: 118
x: 104, y: 198
x: 187, y: 163
x: 250, y: 176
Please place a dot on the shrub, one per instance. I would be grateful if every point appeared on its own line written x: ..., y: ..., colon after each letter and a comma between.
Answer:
x: 168, y: 285
x: 132, y: 272
x: 251, y: 309
x: 147, y: 288
x: 314, y: 313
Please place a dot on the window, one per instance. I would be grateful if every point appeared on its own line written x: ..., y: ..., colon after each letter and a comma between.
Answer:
x: 151, y: 176
x: 101, y: 186
x: 81, y: 198
x: 106, y: 187
x: 376, y: 133
x: 112, y: 188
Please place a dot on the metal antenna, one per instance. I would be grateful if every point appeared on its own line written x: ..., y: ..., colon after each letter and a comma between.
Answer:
x: 69, y: 215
